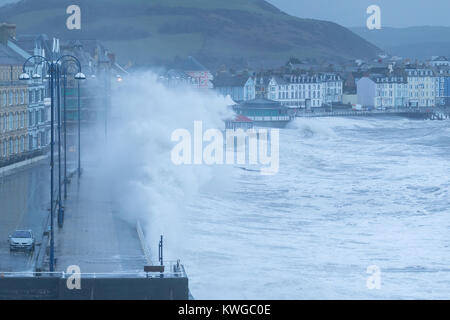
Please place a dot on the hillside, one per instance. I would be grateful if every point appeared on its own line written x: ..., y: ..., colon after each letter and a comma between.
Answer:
x: 413, y: 42
x: 233, y: 32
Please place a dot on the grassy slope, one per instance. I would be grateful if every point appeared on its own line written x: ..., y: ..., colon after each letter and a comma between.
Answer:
x: 231, y: 31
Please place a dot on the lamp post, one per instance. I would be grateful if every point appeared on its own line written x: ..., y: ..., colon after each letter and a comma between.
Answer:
x: 52, y: 68
x: 79, y: 76
x: 58, y: 112
x: 70, y: 59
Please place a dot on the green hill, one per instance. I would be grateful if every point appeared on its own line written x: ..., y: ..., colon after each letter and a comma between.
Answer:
x: 233, y: 32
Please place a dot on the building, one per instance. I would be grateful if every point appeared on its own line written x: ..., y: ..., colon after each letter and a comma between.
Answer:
x: 239, y: 122
x: 440, y: 62
x: 305, y: 90
x: 261, y: 86
x: 38, y: 126
x: 238, y: 87
x: 13, y: 108
x: 264, y: 112
x: 383, y: 91
x: 174, y: 78
x: 442, y: 86
x: 200, y: 75
x: 421, y: 86
x: 332, y: 88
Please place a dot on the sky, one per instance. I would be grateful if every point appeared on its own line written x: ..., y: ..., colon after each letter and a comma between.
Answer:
x: 352, y: 13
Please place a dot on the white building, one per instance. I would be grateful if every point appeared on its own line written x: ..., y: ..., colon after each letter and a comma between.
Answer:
x: 383, y: 91
x: 332, y: 88
x: 421, y: 87
x: 439, y: 62
x: 306, y: 90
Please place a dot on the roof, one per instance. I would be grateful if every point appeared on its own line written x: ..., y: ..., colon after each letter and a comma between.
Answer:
x: 280, y: 80
x: 226, y: 80
x: 262, y: 81
x: 261, y: 103
x: 440, y: 58
x: 9, y: 56
x: 29, y: 41
x: 241, y: 118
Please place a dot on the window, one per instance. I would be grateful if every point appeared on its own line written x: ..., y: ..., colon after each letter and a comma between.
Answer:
x: 11, y: 122
x: 10, y: 98
x: 22, y: 97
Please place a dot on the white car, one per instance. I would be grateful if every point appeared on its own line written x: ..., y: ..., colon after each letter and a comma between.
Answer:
x: 22, y: 240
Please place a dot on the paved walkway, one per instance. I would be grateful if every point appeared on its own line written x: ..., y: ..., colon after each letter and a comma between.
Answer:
x: 93, y: 236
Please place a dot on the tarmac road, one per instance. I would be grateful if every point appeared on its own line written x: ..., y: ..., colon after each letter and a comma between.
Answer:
x: 24, y: 204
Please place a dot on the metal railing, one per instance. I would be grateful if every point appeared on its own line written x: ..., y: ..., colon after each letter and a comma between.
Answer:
x: 16, y: 158
x: 415, y: 110
x: 173, y: 269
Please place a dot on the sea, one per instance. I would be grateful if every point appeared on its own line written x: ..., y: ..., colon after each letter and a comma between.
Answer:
x: 359, y: 209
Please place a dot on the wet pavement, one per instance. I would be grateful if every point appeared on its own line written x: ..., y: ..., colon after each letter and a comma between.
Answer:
x: 24, y: 204
x: 94, y: 237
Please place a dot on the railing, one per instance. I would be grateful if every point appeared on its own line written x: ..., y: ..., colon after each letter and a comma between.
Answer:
x: 173, y: 269
x: 427, y: 110
x: 22, y: 157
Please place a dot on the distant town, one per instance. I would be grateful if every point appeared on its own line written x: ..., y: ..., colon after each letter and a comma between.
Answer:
x: 261, y: 97
x: 387, y: 82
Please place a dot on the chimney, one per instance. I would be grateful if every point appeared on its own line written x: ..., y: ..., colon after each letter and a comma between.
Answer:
x: 7, y: 31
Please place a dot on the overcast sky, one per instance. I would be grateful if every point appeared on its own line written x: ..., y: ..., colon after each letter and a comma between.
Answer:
x: 352, y: 13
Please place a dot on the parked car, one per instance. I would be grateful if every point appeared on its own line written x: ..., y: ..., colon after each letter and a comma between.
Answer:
x: 22, y: 240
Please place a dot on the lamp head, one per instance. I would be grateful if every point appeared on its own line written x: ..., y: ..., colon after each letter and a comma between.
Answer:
x: 24, y: 76
x: 80, y: 76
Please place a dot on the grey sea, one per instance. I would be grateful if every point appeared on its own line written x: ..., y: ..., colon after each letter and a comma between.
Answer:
x: 351, y: 193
